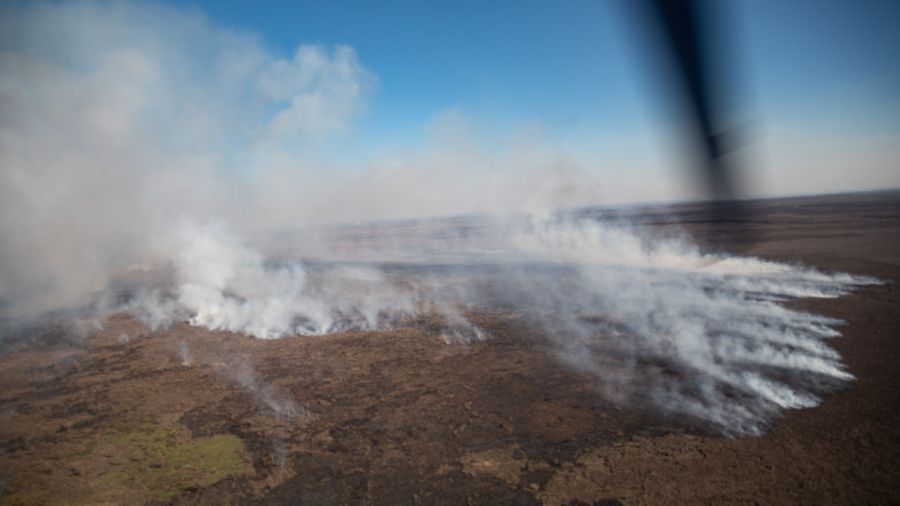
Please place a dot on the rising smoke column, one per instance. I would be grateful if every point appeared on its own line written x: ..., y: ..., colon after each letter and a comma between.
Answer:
x: 122, y: 120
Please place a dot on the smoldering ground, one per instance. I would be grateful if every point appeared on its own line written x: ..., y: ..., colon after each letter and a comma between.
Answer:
x: 656, y: 321
x: 121, y: 160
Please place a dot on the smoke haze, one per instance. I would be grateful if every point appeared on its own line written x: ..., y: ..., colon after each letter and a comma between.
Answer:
x: 141, y: 141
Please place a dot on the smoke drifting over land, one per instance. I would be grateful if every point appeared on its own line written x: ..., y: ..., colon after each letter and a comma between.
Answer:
x: 655, y: 320
x: 139, y: 138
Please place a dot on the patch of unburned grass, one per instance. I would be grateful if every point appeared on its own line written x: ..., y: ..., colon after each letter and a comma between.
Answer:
x: 164, y: 462
x: 137, y: 465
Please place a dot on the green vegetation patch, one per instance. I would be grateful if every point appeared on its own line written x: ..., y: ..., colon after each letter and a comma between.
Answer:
x: 163, y: 462
x: 133, y: 466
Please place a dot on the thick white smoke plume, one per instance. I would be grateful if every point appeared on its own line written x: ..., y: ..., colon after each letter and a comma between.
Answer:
x: 656, y: 320
x: 222, y: 284
x: 121, y: 120
x: 147, y: 153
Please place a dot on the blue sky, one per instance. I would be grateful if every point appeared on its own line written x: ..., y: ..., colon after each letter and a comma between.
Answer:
x: 514, y: 60
x: 576, y: 65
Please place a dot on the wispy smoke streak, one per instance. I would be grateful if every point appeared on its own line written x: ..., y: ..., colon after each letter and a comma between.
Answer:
x: 270, y: 397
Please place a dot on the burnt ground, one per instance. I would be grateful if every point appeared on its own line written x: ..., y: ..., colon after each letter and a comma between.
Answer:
x: 128, y: 416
